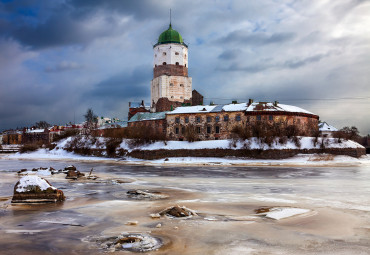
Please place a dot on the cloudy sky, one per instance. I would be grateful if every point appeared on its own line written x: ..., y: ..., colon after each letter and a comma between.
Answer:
x: 60, y: 57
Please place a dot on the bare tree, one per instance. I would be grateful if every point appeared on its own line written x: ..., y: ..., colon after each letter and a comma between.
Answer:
x: 42, y: 124
x: 91, y: 120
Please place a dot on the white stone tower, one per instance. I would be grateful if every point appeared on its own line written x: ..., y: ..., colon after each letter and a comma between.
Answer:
x: 171, y: 86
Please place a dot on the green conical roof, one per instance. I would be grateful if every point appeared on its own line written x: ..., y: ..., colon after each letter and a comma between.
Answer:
x: 170, y: 36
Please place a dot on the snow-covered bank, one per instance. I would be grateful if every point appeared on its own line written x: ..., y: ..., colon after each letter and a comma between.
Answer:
x: 298, y: 160
x: 60, y: 153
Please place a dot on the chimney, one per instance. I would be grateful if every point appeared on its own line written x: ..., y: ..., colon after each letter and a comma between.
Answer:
x: 276, y: 103
x: 250, y: 101
x: 234, y: 102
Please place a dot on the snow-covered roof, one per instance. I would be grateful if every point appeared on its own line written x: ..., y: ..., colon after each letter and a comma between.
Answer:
x: 139, y: 105
x: 39, y: 130
x: 140, y: 116
x: 266, y: 106
x: 193, y: 109
x: 235, y: 107
x: 323, y: 126
x: 257, y: 106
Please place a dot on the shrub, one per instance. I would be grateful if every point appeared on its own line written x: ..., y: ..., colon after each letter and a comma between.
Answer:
x: 111, y: 146
x: 29, y: 147
x: 190, y: 133
x: 66, y: 133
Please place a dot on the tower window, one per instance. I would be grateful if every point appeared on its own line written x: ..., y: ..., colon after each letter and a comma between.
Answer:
x: 176, y: 53
x: 181, y: 97
x: 185, y: 65
x: 164, y: 63
x: 171, y: 84
x: 181, y: 85
x: 164, y: 53
x: 177, y: 63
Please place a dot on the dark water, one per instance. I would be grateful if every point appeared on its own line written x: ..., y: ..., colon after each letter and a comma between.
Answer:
x: 340, y: 197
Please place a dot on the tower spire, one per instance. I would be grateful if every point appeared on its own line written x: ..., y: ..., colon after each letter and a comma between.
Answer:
x: 170, y: 18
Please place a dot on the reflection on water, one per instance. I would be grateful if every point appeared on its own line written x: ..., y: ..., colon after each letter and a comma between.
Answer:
x: 225, y: 199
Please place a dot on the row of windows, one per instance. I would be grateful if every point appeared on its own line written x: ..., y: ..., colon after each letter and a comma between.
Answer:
x: 165, y: 63
x: 198, y: 130
x: 164, y: 54
x: 225, y: 118
x: 198, y: 119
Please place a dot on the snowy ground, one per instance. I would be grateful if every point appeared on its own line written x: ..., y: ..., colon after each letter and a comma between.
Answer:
x: 302, y: 159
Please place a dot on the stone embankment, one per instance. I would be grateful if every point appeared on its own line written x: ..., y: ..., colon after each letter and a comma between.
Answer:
x: 258, y: 154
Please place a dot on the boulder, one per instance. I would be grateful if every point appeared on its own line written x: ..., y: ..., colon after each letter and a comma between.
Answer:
x: 178, y: 212
x: 33, y: 189
x: 71, y: 167
x: 74, y: 174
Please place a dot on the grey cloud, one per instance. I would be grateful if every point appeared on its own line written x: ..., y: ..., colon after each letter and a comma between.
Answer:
x: 242, y: 37
x: 63, y: 66
x: 293, y: 64
x: 229, y: 54
x: 124, y: 85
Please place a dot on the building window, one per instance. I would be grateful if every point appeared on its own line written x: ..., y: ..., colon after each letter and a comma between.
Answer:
x: 177, y: 120
x: 185, y: 65
x: 226, y: 118
x: 217, y: 118
x: 171, y: 84
x: 258, y: 117
x: 177, y: 131
x: 208, y: 129
x: 171, y: 96
x: 183, y: 130
x: 198, y: 130
x: 271, y: 117
x: 177, y: 63
x: 217, y: 129
x: 181, y: 97
x: 164, y: 53
x: 237, y: 118
x: 186, y: 120
x: 181, y: 85
x: 197, y: 119
x: 209, y: 119
x: 164, y: 63
x: 155, y: 55
x: 176, y: 53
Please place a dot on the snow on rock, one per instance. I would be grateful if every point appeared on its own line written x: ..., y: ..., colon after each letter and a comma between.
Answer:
x: 278, y: 213
x: 27, y: 183
x: 33, y: 189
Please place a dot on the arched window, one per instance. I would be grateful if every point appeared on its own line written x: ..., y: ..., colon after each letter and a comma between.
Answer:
x: 177, y: 63
x: 164, y: 63
x: 185, y: 65
x: 176, y: 53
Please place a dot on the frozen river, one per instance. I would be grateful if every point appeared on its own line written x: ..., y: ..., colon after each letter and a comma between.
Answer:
x: 225, y: 199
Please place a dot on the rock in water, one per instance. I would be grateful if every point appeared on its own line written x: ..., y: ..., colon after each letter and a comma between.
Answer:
x: 33, y: 189
x: 74, y: 174
x: 178, y: 212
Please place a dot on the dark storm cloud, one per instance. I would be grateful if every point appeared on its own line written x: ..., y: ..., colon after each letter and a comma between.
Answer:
x: 243, y: 37
x: 124, y: 85
x: 143, y: 9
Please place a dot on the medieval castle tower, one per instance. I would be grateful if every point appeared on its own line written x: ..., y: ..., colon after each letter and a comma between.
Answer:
x: 171, y: 86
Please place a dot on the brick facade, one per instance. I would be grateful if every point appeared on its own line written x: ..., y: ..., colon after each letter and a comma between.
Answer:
x: 219, y: 125
x: 170, y: 70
